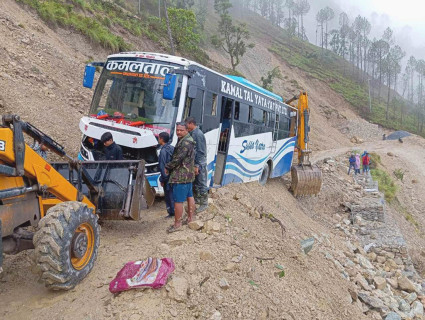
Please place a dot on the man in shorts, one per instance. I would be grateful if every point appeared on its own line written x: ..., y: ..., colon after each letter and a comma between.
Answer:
x: 181, y: 169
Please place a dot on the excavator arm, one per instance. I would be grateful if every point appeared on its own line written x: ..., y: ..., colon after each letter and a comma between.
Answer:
x: 306, y: 178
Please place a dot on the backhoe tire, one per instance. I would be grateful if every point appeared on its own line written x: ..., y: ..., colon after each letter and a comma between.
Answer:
x: 264, y: 175
x: 66, y: 244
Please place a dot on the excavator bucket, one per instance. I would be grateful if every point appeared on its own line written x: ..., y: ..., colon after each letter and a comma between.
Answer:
x: 306, y: 180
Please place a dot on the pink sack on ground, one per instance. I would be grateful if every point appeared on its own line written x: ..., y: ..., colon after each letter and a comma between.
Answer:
x: 151, y: 273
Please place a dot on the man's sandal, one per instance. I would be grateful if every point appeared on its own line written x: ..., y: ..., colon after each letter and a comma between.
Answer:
x: 172, y: 229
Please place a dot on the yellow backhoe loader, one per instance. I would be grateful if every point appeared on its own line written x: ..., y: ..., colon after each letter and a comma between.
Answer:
x: 306, y: 178
x: 54, y: 207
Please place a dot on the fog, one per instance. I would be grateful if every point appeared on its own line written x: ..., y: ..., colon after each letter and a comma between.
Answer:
x: 406, y: 18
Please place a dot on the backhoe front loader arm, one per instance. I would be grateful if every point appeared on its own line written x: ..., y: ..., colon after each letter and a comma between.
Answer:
x: 18, y: 159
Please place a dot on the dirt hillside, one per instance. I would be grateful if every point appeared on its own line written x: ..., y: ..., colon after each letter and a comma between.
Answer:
x: 40, y: 78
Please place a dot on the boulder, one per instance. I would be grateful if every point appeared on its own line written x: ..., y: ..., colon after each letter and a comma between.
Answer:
x: 196, y: 225
x: 177, y: 239
x: 392, y: 316
x: 364, y: 262
x: 405, y: 284
x: 404, y: 306
x: 361, y: 281
x: 411, y: 297
x: 393, y: 282
x: 417, y: 309
x: 380, y: 283
x: 177, y: 289
x: 211, y: 227
x: 371, y: 301
x: 216, y: 315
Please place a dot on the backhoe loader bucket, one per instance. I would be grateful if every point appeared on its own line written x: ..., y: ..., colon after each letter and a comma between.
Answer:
x: 118, y: 189
x: 306, y: 180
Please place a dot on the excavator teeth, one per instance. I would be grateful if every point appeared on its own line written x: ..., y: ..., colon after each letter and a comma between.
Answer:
x: 306, y: 180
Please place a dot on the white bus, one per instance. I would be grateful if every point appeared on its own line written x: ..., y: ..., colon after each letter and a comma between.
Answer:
x: 250, y: 132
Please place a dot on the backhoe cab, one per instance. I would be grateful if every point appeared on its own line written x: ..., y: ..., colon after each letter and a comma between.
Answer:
x: 54, y: 207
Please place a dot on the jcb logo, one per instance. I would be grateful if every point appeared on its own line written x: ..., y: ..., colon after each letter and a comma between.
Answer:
x: 2, y: 145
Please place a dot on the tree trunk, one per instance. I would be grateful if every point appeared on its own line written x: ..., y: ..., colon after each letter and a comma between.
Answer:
x: 170, y: 36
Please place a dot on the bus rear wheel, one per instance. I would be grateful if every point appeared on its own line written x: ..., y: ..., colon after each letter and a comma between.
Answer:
x: 265, y: 174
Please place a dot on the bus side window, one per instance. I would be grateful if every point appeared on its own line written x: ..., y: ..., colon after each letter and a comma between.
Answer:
x: 244, y: 113
x: 257, y: 117
x: 237, y: 110
x: 250, y: 114
x: 194, y: 107
x: 210, y: 107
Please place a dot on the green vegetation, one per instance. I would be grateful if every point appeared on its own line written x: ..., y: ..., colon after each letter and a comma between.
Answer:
x: 64, y: 13
x: 375, y: 160
x: 399, y: 174
x: 385, y: 183
x: 338, y: 74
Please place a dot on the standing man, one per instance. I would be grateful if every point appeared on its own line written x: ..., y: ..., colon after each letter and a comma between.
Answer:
x: 182, y: 174
x: 112, y: 150
x: 165, y: 155
x: 201, y: 179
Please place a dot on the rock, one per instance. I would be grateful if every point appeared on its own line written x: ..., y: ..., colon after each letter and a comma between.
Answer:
x: 196, y: 225
x: 347, y: 222
x: 230, y: 267
x: 392, y: 316
x: 380, y: 283
x: 211, y: 227
x: 173, y: 312
x: 364, y: 262
x: 404, y: 306
x: 411, y: 297
x: 210, y: 201
x: 236, y: 196
x: 201, y: 236
x: 237, y: 259
x: 391, y: 264
x: 353, y: 294
x: 224, y: 284
x: 361, y: 281
x: 381, y: 259
x: 178, y: 288
x: 390, y: 154
x: 371, y: 301
x: 405, y: 284
x: 417, y: 309
x: 216, y: 316
x: 393, y: 282
x: 177, y: 239
x: 206, y: 255
x: 371, y: 256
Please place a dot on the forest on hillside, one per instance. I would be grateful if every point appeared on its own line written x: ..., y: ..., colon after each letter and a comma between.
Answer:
x: 384, y: 84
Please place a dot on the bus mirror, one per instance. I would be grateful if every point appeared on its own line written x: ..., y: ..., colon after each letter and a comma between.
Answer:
x: 89, y: 76
x: 170, y: 86
x: 193, y: 91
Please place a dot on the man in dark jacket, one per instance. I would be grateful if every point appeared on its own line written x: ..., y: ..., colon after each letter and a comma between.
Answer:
x: 165, y: 155
x: 200, y: 186
x: 112, y: 150
x: 182, y: 174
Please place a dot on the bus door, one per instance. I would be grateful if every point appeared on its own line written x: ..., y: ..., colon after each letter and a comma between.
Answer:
x: 227, y: 106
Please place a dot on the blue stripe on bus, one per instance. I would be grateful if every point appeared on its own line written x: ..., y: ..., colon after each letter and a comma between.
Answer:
x: 292, y: 144
x: 232, y: 159
x: 231, y: 178
x: 245, y: 174
x: 253, y: 162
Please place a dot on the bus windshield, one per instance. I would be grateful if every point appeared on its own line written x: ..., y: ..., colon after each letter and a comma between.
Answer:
x: 136, y: 97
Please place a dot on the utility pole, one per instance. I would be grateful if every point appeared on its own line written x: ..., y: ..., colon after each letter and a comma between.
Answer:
x: 159, y: 9
x: 139, y: 5
x: 370, y: 101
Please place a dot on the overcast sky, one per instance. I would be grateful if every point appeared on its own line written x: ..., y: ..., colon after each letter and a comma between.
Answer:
x: 405, y: 17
